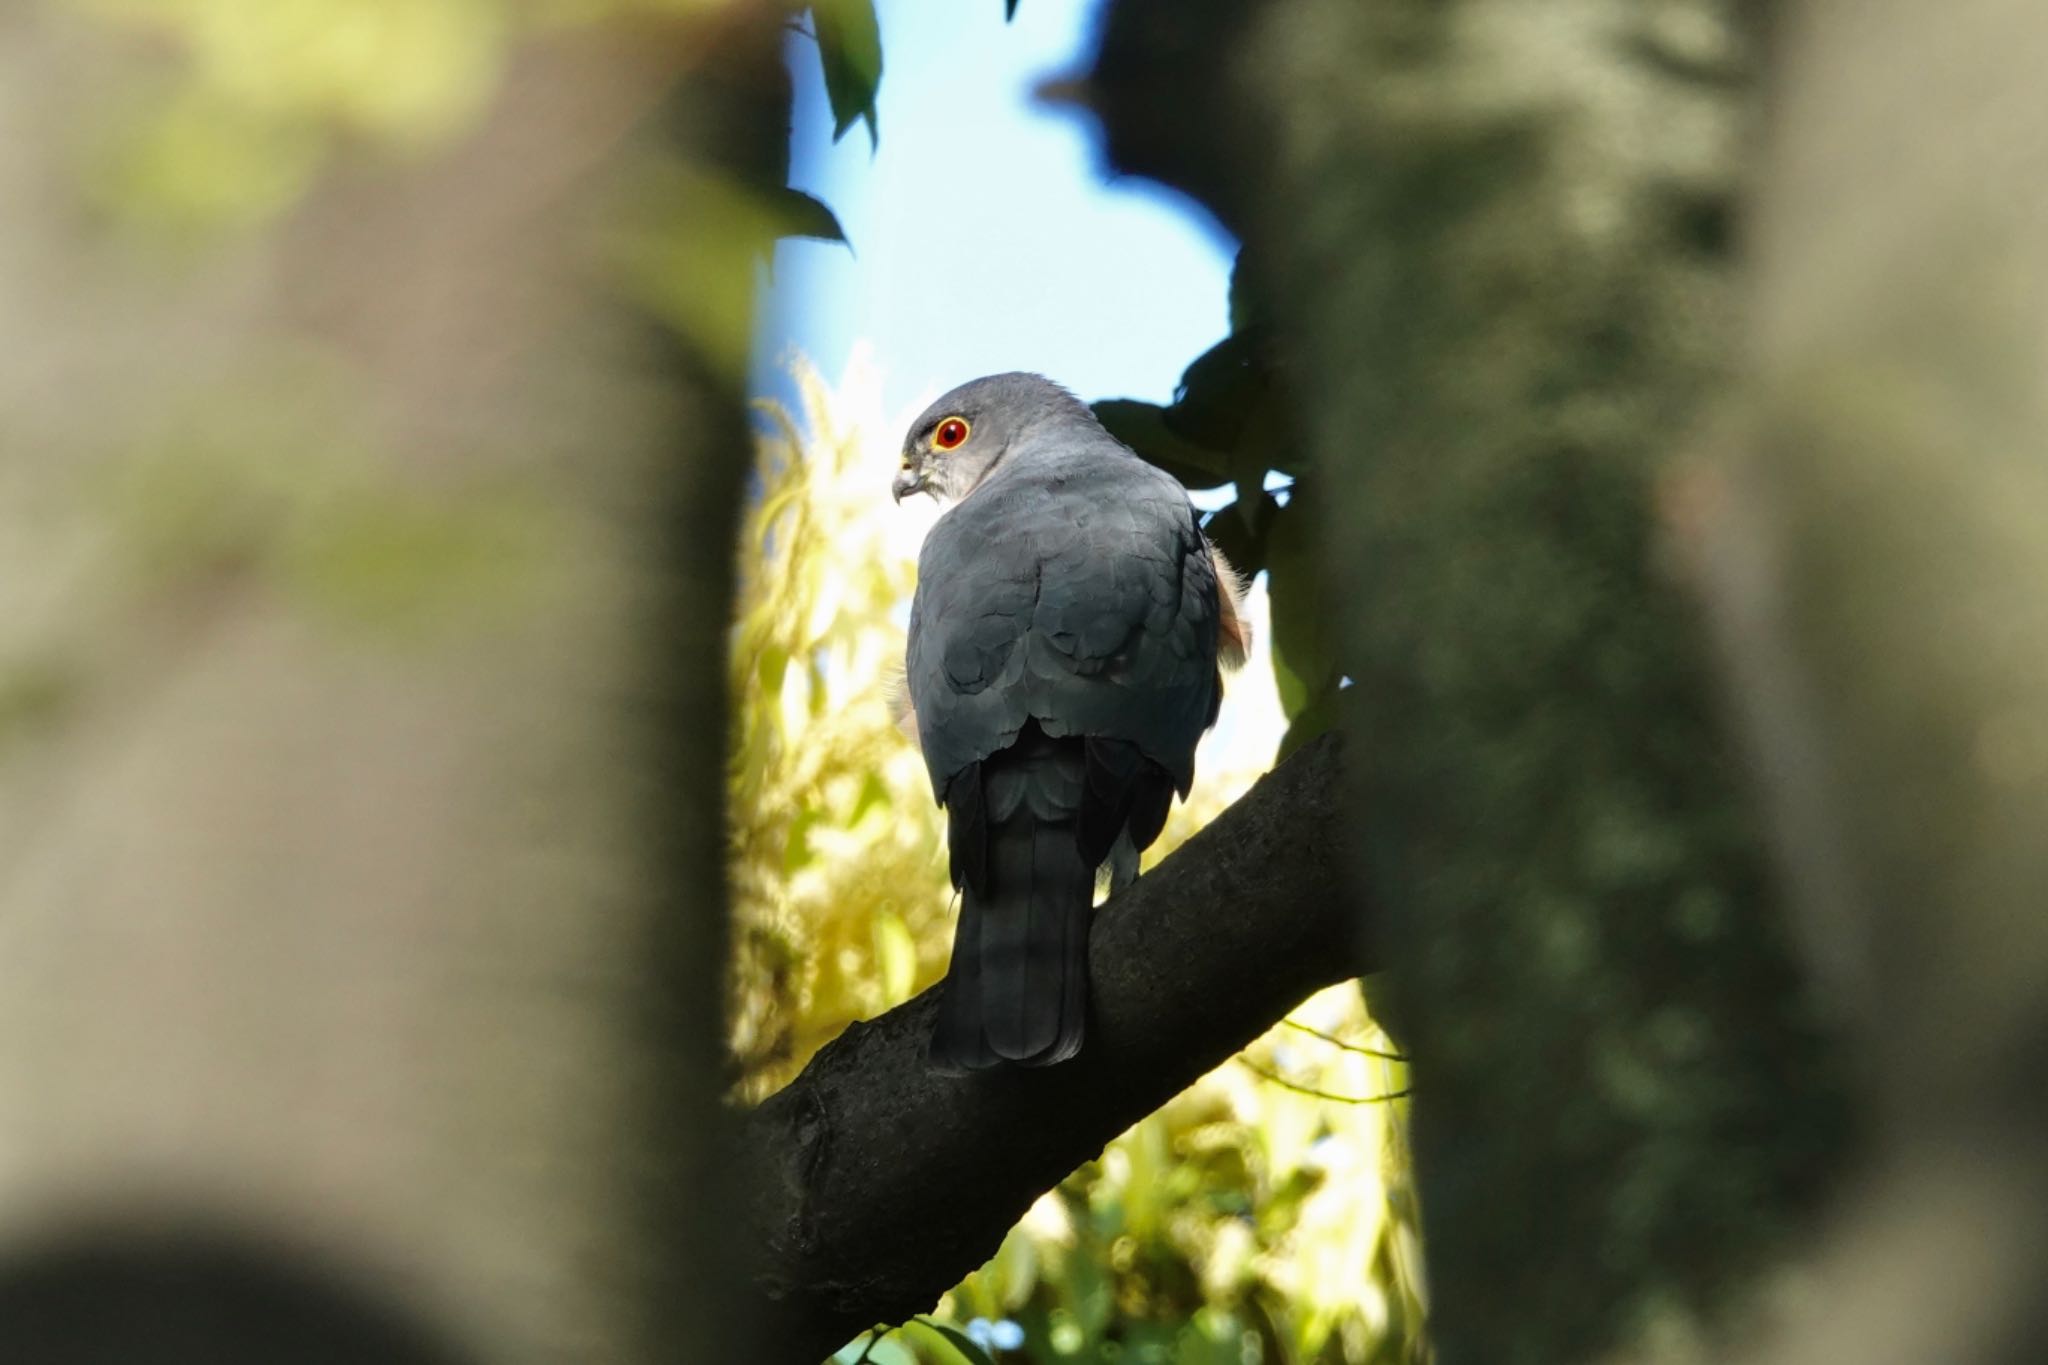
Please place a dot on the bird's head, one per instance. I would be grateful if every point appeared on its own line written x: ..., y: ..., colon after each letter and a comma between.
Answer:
x: 956, y: 441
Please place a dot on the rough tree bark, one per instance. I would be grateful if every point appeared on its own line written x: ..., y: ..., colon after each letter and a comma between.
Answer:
x: 879, y: 1183
x: 1495, y: 235
x: 360, y: 756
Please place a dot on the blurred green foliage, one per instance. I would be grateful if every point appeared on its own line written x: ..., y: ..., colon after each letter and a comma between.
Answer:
x: 1246, y: 1220
x: 850, y: 49
x: 261, y: 96
x: 240, y: 126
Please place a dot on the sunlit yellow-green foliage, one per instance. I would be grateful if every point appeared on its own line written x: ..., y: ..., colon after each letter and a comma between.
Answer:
x: 840, y: 891
x: 1246, y: 1221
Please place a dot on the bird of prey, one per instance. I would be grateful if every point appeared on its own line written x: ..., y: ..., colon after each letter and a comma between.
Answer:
x: 1065, y: 649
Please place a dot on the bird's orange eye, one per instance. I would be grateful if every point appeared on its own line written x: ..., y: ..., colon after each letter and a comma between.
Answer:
x: 950, y: 434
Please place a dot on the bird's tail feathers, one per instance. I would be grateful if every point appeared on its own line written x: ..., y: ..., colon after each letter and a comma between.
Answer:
x: 1017, y: 988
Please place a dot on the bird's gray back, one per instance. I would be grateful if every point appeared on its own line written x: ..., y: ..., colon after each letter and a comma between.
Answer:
x: 1072, y: 587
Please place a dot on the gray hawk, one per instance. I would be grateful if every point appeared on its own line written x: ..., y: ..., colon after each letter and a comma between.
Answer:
x: 1064, y: 658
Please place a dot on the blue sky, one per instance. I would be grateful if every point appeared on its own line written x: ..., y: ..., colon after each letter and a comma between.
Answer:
x: 986, y: 233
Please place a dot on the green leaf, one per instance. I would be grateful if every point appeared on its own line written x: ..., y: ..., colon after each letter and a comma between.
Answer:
x: 887, y: 1351
x: 1304, y: 655
x: 1229, y: 421
x: 850, y: 50
x: 1013, y: 1273
x: 1142, y: 427
x: 1220, y: 395
x: 947, y: 1345
x: 802, y: 215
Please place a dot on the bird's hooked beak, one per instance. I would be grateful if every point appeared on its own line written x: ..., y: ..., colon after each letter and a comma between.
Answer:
x: 910, y: 478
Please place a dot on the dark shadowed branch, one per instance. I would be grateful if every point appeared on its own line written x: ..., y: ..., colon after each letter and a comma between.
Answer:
x: 878, y: 1183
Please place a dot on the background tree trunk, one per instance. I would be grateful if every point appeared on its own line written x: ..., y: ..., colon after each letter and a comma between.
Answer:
x: 1494, y: 236
x: 363, y: 587
x: 1874, y: 536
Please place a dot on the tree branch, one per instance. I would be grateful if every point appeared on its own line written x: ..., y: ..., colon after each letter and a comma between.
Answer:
x: 878, y: 1183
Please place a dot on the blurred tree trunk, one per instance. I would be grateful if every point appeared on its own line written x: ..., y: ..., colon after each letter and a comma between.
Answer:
x: 1875, y: 540
x: 1495, y: 236
x: 363, y: 589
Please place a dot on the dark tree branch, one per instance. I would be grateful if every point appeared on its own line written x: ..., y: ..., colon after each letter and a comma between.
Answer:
x: 878, y: 1183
